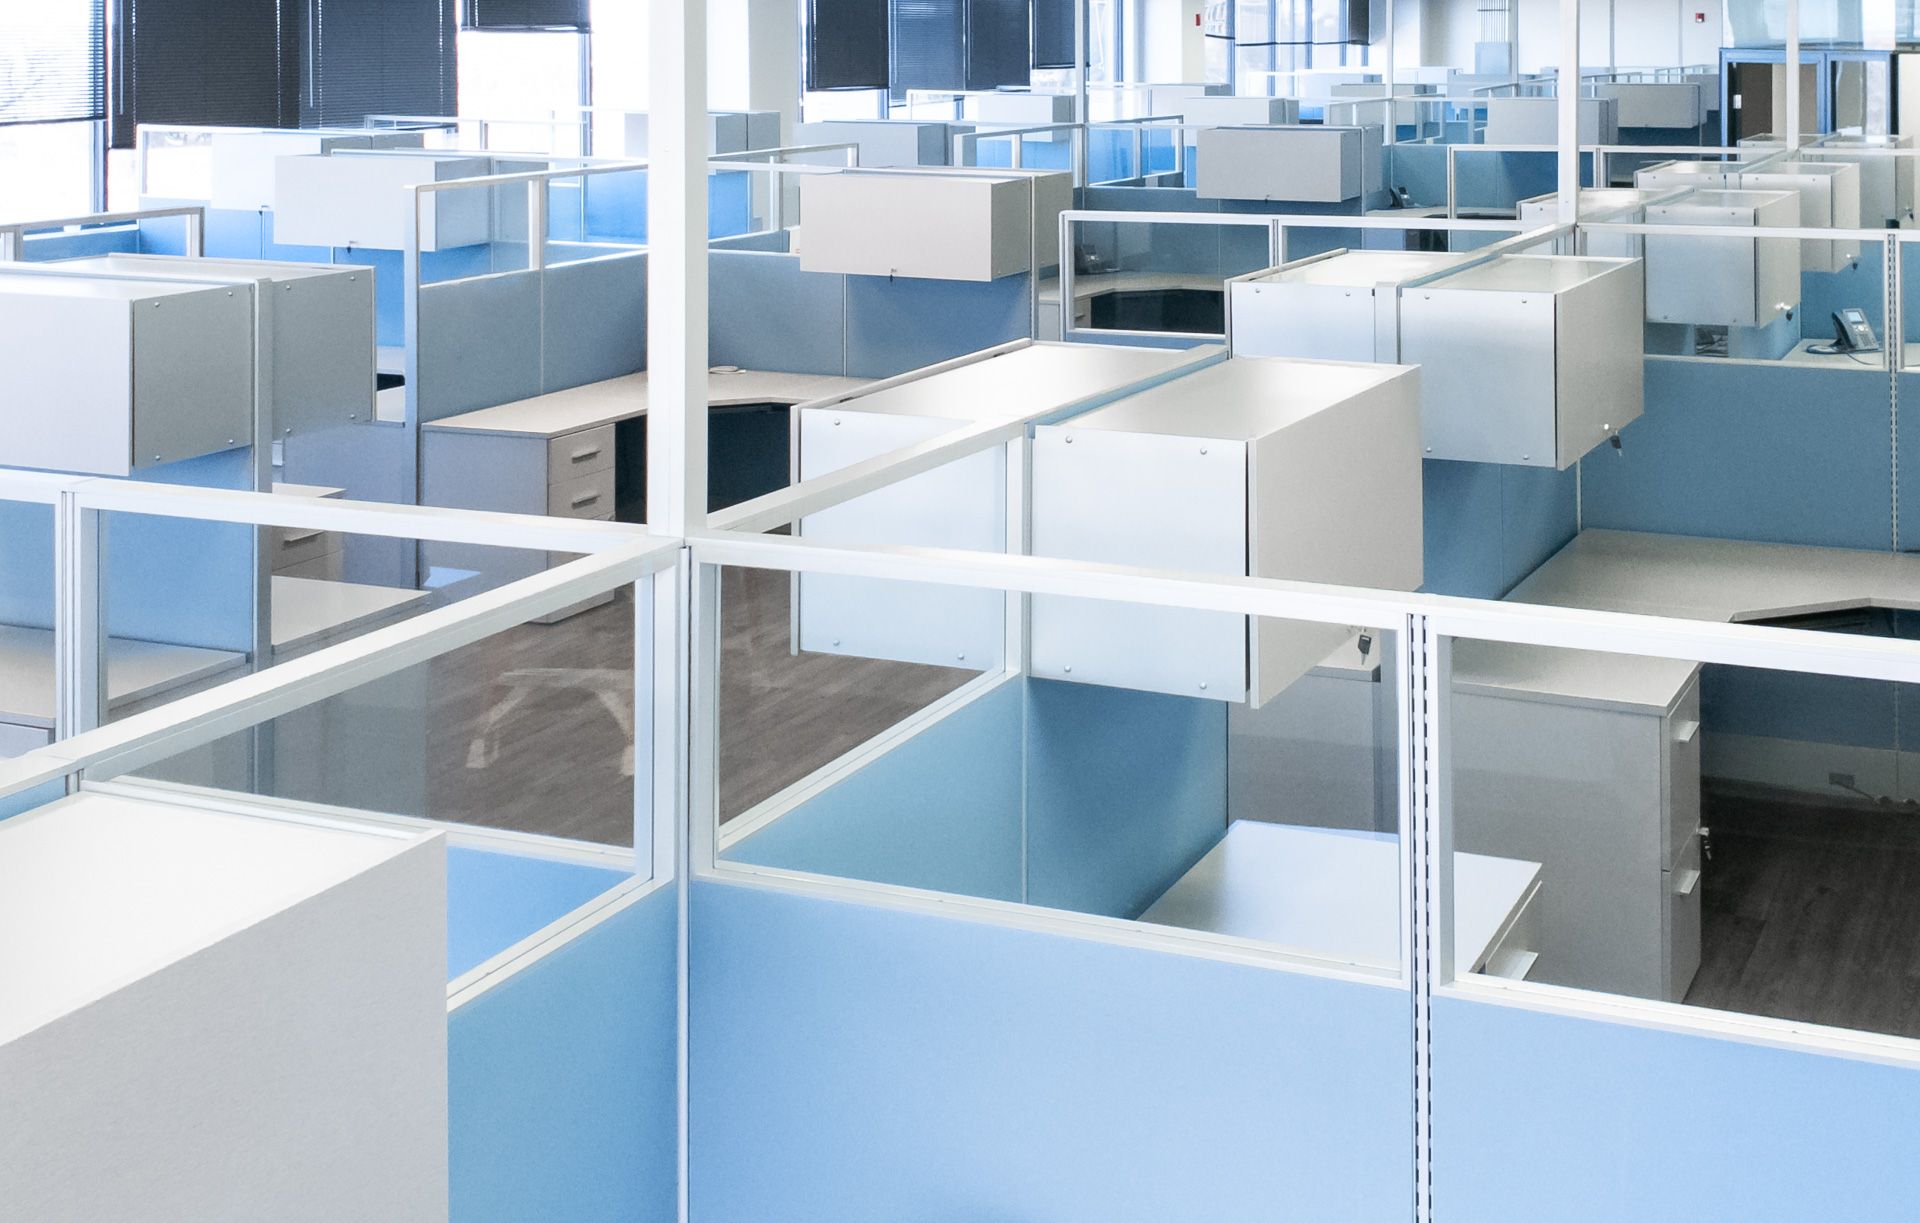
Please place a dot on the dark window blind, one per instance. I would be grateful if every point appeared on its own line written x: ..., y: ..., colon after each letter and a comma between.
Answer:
x: 999, y: 44
x: 204, y: 62
x: 847, y: 44
x: 52, y: 61
x: 375, y: 57
x: 1053, y: 33
x: 527, y: 15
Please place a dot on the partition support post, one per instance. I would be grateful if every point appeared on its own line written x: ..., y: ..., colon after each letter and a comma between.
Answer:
x: 1082, y: 54
x: 1568, y: 196
x: 79, y: 636
x: 677, y: 271
x: 1793, y: 74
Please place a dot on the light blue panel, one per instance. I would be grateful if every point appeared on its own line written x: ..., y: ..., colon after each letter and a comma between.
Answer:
x: 233, y: 234
x: 479, y: 344
x: 562, y: 1081
x: 1464, y: 512
x: 61, y: 244
x: 26, y: 564
x: 616, y: 207
x: 1139, y: 340
x: 566, y: 210
x: 1909, y: 487
x: 1109, y: 155
x: 180, y: 580
x: 162, y: 236
x: 370, y: 462
x: 1538, y: 1116
x: 1795, y: 705
x: 764, y: 312
x: 1744, y: 450
x: 595, y: 321
x: 1125, y: 792
x: 578, y: 252
x: 1539, y: 513
x: 729, y: 203
x: 35, y: 796
x: 460, y: 262
x: 897, y: 325
x: 1420, y: 170
x: 941, y: 811
x: 1823, y: 294
x: 496, y: 899
x: 855, y: 1064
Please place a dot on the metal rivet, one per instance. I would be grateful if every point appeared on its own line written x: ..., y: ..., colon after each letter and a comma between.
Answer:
x: 961, y: 657
x: 1429, y: 450
x: 1203, y: 450
x: 1069, y: 439
x: 229, y: 441
x: 836, y: 643
x: 836, y: 424
x: 1066, y: 670
x: 1526, y: 458
x: 1203, y: 685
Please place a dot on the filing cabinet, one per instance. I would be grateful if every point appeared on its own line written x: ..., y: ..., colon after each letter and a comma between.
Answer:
x: 886, y: 142
x: 1261, y: 467
x: 1341, y: 307
x: 1590, y: 765
x: 1527, y: 359
x: 1726, y: 282
x: 932, y: 226
x: 1671, y: 105
x: 350, y: 200
x: 1311, y: 164
x: 244, y: 161
x: 1887, y: 180
x: 1231, y: 111
x: 1620, y: 205
x: 1537, y: 121
x: 108, y: 376
x: 1829, y: 199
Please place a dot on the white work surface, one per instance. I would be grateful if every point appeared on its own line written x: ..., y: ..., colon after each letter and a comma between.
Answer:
x: 136, y: 671
x: 98, y: 890
x: 1875, y: 361
x: 1717, y: 579
x: 617, y: 399
x: 1025, y: 382
x: 309, y: 611
x: 1335, y: 895
x: 1680, y: 576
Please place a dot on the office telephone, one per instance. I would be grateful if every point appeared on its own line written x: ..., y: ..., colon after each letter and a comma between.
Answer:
x: 1852, y: 332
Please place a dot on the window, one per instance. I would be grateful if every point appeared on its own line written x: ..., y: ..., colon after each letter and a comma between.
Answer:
x: 52, y: 99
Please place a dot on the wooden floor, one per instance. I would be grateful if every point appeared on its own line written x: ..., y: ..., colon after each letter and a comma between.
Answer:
x: 557, y: 768
x: 1812, y: 913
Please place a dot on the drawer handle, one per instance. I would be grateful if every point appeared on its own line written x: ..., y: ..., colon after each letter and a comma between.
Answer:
x: 1684, y: 732
x: 1685, y: 882
x: 581, y: 456
x: 299, y: 537
x: 584, y: 499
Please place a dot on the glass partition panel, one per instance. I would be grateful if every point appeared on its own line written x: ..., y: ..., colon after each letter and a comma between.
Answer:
x: 1143, y: 276
x: 29, y: 697
x: 1115, y: 760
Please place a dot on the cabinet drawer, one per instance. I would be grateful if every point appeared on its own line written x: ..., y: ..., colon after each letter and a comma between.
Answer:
x: 580, y: 454
x: 299, y: 545
x: 582, y: 497
x: 1684, y: 885
x: 1683, y: 775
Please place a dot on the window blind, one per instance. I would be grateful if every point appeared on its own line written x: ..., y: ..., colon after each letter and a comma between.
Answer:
x: 848, y: 45
x: 527, y: 15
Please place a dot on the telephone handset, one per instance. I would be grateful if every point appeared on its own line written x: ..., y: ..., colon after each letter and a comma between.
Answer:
x: 1852, y: 332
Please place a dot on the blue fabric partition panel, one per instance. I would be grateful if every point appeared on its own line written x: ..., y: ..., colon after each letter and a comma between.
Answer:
x: 1488, y: 525
x: 496, y: 899
x: 562, y: 1080
x: 1751, y: 450
x: 1909, y: 420
x: 35, y: 796
x: 1125, y: 792
x: 856, y: 1064
x: 232, y: 234
x: 939, y: 811
x: 765, y: 313
x: 370, y: 463
x: 175, y: 580
x: 594, y: 323
x: 104, y: 240
x: 1538, y: 1115
x: 479, y: 343
x: 894, y: 325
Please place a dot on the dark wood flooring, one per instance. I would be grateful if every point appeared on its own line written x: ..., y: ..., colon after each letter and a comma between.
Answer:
x: 557, y: 769
x: 1811, y: 912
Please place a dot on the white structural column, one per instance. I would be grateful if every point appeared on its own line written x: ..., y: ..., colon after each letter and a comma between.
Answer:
x: 1568, y: 91
x: 677, y: 269
x: 1793, y: 74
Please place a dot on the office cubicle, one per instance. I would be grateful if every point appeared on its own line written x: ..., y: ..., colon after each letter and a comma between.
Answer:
x: 559, y: 940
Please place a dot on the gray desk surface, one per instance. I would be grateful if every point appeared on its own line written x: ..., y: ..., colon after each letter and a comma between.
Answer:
x: 1876, y: 361
x: 617, y: 399
x: 1679, y: 576
x: 309, y: 612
